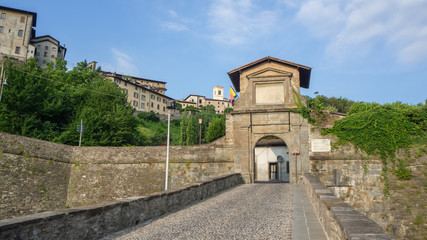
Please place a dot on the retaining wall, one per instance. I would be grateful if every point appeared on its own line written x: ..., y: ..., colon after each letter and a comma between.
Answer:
x: 42, y: 176
x: 96, y: 221
x: 340, y: 220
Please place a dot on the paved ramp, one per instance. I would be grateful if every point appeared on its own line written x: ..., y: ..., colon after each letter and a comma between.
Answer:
x: 250, y: 211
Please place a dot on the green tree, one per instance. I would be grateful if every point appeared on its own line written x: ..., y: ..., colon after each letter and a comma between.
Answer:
x: 49, y: 103
x: 216, y: 129
x: 192, y: 131
x: 184, y: 120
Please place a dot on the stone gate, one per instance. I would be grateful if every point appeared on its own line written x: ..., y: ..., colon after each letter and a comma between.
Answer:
x: 267, y: 90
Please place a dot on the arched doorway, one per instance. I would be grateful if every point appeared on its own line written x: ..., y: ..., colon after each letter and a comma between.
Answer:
x: 271, y: 161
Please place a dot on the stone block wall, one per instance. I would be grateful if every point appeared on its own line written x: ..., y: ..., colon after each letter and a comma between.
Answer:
x: 97, y: 221
x: 43, y: 176
x: 357, y: 180
x: 340, y: 221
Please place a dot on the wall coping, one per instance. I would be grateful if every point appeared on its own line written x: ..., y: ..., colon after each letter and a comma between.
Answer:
x: 96, y: 221
x: 341, y: 217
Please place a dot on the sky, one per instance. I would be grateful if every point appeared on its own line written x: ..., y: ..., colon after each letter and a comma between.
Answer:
x: 363, y: 50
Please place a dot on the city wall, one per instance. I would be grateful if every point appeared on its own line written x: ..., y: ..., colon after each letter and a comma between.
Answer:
x: 358, y: 180
x: 42, y: 176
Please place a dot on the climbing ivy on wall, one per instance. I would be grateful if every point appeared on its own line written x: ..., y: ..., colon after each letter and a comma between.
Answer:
x: 383, y: 129
x: 377, y: 129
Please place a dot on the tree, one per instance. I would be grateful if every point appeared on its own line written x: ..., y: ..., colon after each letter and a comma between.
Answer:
x: 192, y: 131
x: 184, y: 120
x: 49, y: 103
x: 216, y: 129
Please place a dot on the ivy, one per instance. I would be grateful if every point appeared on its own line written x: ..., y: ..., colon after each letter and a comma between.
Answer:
x: 375, y: 129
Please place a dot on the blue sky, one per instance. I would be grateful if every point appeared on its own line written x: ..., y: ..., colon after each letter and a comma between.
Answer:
x: 364, y: 50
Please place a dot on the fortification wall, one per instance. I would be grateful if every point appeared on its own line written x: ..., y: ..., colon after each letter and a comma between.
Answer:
x: 358, y: 180
x: 42, y: 176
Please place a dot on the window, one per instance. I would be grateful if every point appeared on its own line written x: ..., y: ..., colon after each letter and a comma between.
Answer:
x: 135, y: 103
x: 3, y: 15
x: 164, y: 100
x: 143, y: 90
x: 1, y: 29
x: 126, y: 83
x: 158, y: 107
x: 20, y: 33
x: 117, y: 81
x: 136, y: 87
x: 46, y: 48
x: 153, y: 97
x: 152, y: 105
x: 164, y: 109
x: 143, y: 105
x: 45, y: 54
x: 52, y: 56
x: 125, y: 91
x: 200, y: 100
x: 17, y: 50
x: 143, y: 97
x: 22, y: 19
x: 53, y: 48
x: 219, y: 92
x: 159, y: 99
x: 135, y: 95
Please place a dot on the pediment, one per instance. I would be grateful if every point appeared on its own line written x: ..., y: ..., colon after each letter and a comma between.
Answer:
x: 269, y: 72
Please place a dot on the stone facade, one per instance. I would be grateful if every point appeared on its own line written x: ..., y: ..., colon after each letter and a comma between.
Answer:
x: 144, y: 95
x: 218, y: 101
x: 97, y: 221
x: 41, y: 176
x: 16, y: 31
x: 266, y: 96
x: 47, y: 49
x: 357, y: 179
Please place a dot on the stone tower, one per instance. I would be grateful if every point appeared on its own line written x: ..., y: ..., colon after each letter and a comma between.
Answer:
x: 218, y: 93
x: 263, y: 112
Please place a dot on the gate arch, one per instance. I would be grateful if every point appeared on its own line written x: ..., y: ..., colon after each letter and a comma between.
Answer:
x: 271, y: 160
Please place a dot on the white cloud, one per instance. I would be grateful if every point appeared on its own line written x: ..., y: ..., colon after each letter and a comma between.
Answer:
x: 235, y: 22
x: 356, y: 26
x: 174, y: 26
x: 177, y: 23
x: 123, y: 63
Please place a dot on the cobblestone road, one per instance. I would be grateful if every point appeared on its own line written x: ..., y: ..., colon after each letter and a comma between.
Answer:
x: 250, y: 211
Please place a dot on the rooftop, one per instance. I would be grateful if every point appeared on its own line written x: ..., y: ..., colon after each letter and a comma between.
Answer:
x: 305, y: 71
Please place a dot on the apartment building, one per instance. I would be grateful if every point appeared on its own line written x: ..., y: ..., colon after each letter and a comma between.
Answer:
x: 218, y: 101
x: 47, y: 49
x: 144, y: 95
x: 16, y: 32
x: 18, y: 38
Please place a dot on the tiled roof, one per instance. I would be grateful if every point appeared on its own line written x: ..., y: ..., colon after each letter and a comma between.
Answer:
x: 305, y: 71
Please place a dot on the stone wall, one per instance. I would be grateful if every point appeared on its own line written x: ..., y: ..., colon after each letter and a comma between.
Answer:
x: 357, y: 180
x: 340, y: 221
x: 97, y: 221
x: 43, y: 176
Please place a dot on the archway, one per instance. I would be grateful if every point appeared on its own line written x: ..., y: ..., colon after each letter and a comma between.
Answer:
x: 271, y: 160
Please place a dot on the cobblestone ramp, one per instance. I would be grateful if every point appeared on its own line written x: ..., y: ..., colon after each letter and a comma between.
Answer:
x: 251, y: 211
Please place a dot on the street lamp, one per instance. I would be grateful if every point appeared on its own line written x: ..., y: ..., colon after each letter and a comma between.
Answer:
x: 200, y: 130
x: 170, y: 105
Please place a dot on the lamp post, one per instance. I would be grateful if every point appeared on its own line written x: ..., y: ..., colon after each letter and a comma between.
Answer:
x: 170, y: 105
x: 1, y: 80
x: 200, y: 130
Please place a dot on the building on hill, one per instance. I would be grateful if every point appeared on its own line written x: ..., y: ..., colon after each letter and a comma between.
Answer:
x: 47, y: 49
x: 218, y: 101
x: 144, y: 95
x: 16, y: 32
x: 18, y: 38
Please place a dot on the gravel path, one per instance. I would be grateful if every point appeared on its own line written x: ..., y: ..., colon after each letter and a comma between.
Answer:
x: 250, y: 211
